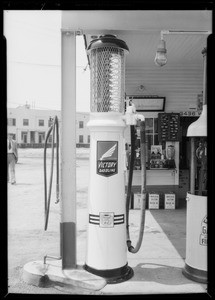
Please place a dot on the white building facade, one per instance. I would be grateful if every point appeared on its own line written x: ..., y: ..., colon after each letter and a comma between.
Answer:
x: 30, y: 126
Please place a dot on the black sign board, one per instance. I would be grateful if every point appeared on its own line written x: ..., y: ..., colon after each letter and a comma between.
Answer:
x: 168, y: 127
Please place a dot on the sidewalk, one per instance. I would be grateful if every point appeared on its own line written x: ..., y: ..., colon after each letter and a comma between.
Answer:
x: 157, y: 266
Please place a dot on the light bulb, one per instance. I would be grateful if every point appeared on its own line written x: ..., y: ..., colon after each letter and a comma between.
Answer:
x: 160, y: 57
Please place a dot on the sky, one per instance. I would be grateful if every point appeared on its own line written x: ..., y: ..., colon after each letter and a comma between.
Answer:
x: 34, y: 61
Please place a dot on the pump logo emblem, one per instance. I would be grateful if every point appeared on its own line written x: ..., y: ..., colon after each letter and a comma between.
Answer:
x: 107, y: 158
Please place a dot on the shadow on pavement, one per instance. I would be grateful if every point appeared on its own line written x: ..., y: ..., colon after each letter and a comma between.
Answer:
x: 160, y: 274
x: 173, y: 224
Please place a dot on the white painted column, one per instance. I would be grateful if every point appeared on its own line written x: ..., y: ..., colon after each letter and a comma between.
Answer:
x: 68, y: 150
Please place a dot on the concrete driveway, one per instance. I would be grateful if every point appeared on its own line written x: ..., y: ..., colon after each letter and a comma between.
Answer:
x: 157, y: 266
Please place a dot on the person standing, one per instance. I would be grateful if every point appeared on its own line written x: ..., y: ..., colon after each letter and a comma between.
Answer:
x: 12, y: 158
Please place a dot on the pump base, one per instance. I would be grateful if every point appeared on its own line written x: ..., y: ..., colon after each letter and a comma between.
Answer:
x: 195, y: 274
x: 113, y: 275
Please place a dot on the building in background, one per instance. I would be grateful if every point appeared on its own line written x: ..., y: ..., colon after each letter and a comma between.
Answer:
x: 82, y: 131
x: 30, y: 126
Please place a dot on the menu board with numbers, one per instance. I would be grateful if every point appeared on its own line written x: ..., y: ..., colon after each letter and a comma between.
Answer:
x: 168, y: 127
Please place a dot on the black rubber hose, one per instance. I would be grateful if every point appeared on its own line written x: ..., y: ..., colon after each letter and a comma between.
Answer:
x: 48, y: 199
x: 44, y: 168
x: 130, y: 177
x: 57, y: 161
x: 143, y: 193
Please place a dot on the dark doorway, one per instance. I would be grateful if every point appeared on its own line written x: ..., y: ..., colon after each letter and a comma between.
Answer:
x: 32, y: 137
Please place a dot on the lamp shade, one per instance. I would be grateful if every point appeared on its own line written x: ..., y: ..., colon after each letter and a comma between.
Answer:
x: 199, y: 127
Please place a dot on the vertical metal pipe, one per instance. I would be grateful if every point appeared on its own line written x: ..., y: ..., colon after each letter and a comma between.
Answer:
x: 143, y: 156
x: 68, y: 150
x: 192, y: 166
x: 204, y: 53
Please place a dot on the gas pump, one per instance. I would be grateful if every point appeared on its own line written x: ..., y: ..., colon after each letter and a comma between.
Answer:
x: 107, y: 219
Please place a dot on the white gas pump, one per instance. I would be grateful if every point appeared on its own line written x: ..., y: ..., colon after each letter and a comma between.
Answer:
x: 108, y: 236
x: 106, y: 239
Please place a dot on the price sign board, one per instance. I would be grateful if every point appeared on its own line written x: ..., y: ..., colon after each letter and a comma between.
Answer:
x: 153, y: 201
x: 168, y: 127
x: 169, y: 201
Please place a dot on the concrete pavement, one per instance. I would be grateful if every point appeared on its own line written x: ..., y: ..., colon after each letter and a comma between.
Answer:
x: 157, y: 266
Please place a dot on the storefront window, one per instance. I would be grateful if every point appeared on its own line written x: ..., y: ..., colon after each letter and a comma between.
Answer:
x: 155, y: 125
x: 151, y: 125
x: 151, y: 135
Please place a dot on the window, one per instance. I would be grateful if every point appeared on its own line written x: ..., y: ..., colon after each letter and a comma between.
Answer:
x: 25, y: 122
x: 41, y: 137
x: 81, y: 124
x: 24, y: 136
x: 81, y: 139
x: 151, y: 133
x: 50, y: 139
x: 41, y: 122
x: 88, y: 139
x: 13, y: 135
x: 11, y: 122
x: 151, y: 125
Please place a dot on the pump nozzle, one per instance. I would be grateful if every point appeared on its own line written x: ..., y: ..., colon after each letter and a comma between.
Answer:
x: 130, y: 247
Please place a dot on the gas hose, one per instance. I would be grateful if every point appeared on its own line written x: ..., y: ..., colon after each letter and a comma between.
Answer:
x: 143, y: 186
x: 48, y: 197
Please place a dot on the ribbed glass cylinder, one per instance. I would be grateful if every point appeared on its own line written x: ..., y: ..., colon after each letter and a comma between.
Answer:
x: 107, y: 79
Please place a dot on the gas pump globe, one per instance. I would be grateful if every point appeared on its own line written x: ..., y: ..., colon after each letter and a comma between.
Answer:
x: 106, y: 236
x: 107, y: 61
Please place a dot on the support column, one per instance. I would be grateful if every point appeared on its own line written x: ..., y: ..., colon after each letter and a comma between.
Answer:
x: 68, y: 150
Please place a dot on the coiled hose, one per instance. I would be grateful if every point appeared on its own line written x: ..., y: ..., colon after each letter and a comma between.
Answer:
x: 52, y: 129
x: 143, y: 185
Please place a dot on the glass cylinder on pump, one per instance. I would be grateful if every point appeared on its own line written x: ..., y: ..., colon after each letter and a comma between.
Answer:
x: 106, y: 238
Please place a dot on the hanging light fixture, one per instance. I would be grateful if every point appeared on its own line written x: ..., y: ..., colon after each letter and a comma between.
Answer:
x: 160, y: 57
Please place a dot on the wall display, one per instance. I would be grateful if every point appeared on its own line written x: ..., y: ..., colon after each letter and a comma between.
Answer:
x: 148, y: 103
x: 168, y: 127
x: 156, y: 150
